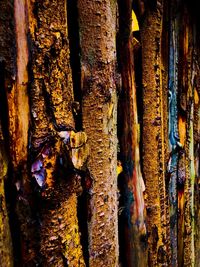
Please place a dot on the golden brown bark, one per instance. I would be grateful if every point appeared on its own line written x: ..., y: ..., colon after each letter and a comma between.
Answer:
x: 154, y: 122
x: 99, y: 105
x: 18, y: 113
x: 43, y: 159
x: 51, y: 98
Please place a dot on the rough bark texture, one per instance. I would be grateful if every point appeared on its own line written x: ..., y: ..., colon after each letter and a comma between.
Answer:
x: 45, y: 164
x: 52, y: 138
x: 98, y: 63
x: 153, y: 135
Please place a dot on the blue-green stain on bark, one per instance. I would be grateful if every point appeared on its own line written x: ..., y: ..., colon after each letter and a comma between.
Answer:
x: 173, y: 135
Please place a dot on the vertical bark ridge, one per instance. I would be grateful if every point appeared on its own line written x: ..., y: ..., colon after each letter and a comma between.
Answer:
x: 165, y: 118
x: 189, y: 147
x: 153, y: 135
x: 18, y: 113
x: 99, y: 106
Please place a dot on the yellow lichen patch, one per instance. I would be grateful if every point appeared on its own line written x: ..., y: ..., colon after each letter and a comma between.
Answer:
x: 77, y: 139
x: 119, y: 167
x: 196, y: 97
x: 135, y: 25
x: 70, y: 239
x: 110, y: 110
x: 182, y: 129
x: 79, y: 149
x: 60, y: 238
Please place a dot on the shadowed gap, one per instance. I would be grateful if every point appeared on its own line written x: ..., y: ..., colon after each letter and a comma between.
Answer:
x: 74, y: 46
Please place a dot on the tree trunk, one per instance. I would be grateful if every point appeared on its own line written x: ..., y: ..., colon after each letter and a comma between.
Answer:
x: 99, y: 134
x: 99, y: 107
x: 53, y: 135
x: 154, y: 123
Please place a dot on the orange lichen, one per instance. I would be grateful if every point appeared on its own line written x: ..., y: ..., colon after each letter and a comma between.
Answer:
x: 182, y: 129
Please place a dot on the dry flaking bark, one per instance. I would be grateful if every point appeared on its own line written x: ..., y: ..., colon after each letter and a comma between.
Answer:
x: 19, y: 113
x: 154, y: 122
x: 15, y: 86
x: 51, y: 97
x: 99, y: 105
x: 132, y: 184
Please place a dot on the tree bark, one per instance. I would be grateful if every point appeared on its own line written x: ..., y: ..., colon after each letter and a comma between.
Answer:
x: 54, y: 179
x: 60, y: 160
x: 154, y: 122
x: 99, y: 107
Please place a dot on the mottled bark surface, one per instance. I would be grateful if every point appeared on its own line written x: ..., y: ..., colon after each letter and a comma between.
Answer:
x: 154, y: 123
x: 59, y: 187
x: 52, y: 138
x: 99, y: 105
